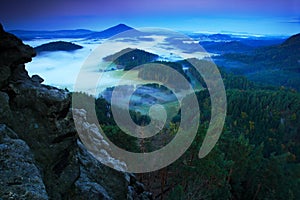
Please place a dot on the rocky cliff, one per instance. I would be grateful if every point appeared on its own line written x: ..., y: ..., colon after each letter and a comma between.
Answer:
x: 41, y: 156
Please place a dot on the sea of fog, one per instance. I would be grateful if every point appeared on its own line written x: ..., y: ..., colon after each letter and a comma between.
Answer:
x: 61, y: 69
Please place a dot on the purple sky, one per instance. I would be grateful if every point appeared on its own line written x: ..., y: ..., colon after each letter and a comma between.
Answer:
x: 255, y: 16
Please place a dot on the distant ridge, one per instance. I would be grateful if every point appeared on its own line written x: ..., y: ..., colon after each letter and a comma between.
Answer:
x: 29, y: 35
x: 226, y: 47
x: 78, y: 33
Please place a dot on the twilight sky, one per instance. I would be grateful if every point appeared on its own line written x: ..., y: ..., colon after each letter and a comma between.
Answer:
x: 279, y: 17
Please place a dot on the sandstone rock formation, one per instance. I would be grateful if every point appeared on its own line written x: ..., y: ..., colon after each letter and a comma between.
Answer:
x: 41, y: 156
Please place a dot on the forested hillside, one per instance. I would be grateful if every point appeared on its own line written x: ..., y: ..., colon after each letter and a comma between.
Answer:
x: 257, y: 156
x: 129, y: 58
x: 57, y: 46
x: 277, y: 65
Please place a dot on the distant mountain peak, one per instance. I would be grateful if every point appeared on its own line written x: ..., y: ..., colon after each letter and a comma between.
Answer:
x: 111, y: 31
x: 119, y: 27
x: 123, y: 25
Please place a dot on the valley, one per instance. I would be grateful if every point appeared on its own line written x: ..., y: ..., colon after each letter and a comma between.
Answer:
x: 257, y: 155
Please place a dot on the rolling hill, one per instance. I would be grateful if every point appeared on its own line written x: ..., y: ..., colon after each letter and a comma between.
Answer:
x: 277, y: 65
x: 130, y: 58
x: 284, y: 56
x: 57, y: 46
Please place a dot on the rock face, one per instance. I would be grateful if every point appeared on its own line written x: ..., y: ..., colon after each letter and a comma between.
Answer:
x: 41, y: 156
x: 19, y: 177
